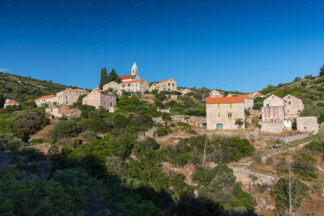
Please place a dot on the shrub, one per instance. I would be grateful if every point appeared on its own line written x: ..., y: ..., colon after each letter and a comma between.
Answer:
x: 89, y: 136
x: 10, y: 142
x: 64, y: 129
x: 314, y: 146
x: 162, y: 131
x: 304, y: 166
x: 27, y: 122
x: 36, y: 141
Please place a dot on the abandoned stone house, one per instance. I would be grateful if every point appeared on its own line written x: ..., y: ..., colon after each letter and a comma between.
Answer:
x: 9, y: 102
x: 224, y: 112
x: 216, y: 93
x: 46, y: 99
x: 307, y: 124
x: 293, y: 106
x: 186, y: 91
x: 69, y: 96
x: 164, y: 85
x: 112, y: 85
x: 58, y: 112
x: 98, y: 98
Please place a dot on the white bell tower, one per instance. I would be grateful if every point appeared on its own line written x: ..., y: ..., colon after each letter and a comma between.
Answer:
x: 134, y: 69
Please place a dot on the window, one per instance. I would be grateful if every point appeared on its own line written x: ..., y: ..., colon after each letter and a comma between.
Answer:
x: 229, y: 116
x: 218, y: 105
x: 231, y: 105
x: 289, y: 102
x: 168, y: 89
x: 168, y: 84
x: 289, y: 97
x: 172, y: 84
x: 129, y: 85
x: 267, y: 105
x: 219, y: 115
x: 110, y: 104
x: 123, y: 85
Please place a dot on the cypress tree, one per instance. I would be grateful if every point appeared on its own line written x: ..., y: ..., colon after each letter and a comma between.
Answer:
x: 103, y: 77
x: 2, y: 100
x: 113, y: 76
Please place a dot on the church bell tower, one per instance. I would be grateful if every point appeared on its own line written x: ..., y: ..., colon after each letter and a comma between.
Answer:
x: 134, y: 69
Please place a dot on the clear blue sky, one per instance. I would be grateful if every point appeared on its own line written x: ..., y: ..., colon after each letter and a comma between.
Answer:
x: 233, y: 45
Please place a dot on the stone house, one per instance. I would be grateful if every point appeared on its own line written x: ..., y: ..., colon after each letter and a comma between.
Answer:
x: 54, y: 111
x: 69, y: 96
x: 223, y: 112
x: 273, y: 113
x: 293, y: 106
x: 140, y: 85
x: 70, y: 113
x: 186, y: 91
x: 98, y: 98
x: 47, y: 99
x: 215, y: 93
x: 9, y: 102
x: 165, y: 85
x: 307, y: 124
x: 112, y: 85
x: 248, y: 102
x: 254, y: 94
x: 273, y: 100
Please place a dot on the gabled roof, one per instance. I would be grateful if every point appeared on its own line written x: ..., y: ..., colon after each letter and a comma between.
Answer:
x: 12, y: 102
x: 221, y: 100
x: 46, y: 96
x: 126, y: 77
x: 80, y: 90
x: 164, y: 80
x: 67, y: 111
x: 132, y: 81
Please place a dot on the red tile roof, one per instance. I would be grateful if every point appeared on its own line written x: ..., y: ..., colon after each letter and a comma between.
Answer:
x: 80, y: 90
x: 220, y: 100
x: 126, y: 77
x: 12, y: 102
x: 67, y: 111
x: 46, y: 96
x: 164, y: 81
x: 132, y: 81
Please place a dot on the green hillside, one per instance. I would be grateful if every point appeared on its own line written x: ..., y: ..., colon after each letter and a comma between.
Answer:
x: 24, y: 88
x: 310, y: 89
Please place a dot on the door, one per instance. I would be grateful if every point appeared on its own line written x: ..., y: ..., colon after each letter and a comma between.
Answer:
x: 219, y: 126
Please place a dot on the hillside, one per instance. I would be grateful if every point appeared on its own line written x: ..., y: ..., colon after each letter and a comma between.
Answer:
x: 21, y: 88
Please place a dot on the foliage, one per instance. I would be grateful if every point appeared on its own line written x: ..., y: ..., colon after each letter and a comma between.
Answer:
x: 239, y: 122
x: 103, y: 77
x: 64, y: 129
x: 2, y: 101
x: 10, y: 142
x: 304, y: 165
x: 113, y: 76
x: 129, y: 104
x: 281, y: 193
x: 89, y: 136
x: 163, y: 131
x: 258, y: 103
x: 27, y: 122
x: 315, y: 146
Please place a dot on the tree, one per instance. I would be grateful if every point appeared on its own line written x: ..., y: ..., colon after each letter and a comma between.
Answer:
x: 2, y: 100
x: 103, y: 77
x: 113, y: 76
x: 239, y: 122
x: 27, y: 122
x: 322, y: 71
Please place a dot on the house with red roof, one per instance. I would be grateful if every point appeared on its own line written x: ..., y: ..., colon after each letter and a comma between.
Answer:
x: 254, y: 94
x: 164, y: 85
x: 9, y: 102
x: 46, y: 99
x: 132, y: 76
x: 225, y: 113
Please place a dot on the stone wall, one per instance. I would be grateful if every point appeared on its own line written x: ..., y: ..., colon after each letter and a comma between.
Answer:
x: 276, y: 127
x: 307, y: 124
x: 144, y: 134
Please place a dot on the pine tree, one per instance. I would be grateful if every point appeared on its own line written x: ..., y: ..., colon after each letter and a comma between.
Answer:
x: 113, y: 76
x: 2, y: 100
x: 103, y: 77
x: 322, y: 71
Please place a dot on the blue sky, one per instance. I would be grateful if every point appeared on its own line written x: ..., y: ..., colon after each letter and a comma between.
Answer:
x: 230, y: 45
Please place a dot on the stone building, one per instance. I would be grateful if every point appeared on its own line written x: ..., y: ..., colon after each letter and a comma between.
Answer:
x: 254, y: 94
x: 248, y: 102
x: 186, y: 91
x: 307, y: 124
x: 273, y: 100
x: 70, y: 113
x: 273, y: 113
x: 140, y: 85
x: 293, y: 106
x: 9, y: 102
x: 223, y: 112
x: 69, y: 96
x: 58, y: 112
x: 112, y: 85
x: 47, y: 99
x: 165, y: 85
x: 215, y: 93
x: 98, y: 98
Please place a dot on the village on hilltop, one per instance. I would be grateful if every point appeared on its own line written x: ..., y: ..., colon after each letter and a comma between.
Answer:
x: 228, y: 112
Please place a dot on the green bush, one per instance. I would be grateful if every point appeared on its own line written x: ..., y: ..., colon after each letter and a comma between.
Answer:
x: 10, y: 142
x: 89, y: 136
x: 315, y: 146
x: 36, y: 141
x: 162, y: 131
x: 65, y: 129
x: 304, y: 165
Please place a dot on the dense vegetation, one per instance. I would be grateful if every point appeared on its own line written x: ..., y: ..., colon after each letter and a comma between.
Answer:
x: 21, y: 88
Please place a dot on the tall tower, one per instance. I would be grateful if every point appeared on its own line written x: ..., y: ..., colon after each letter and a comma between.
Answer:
x: 134, y: 69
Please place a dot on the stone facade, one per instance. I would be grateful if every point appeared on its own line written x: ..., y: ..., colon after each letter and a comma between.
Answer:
x: 293, y: 106
x: 70, y: 113
x: 99, y: 99
x: 248, y: 103
x: 186, y: 91
x: 223, y: 112
x: 254, y: 94
x: 69, y: 96
x: 135, y: 86
x: 275, y: 127
x: 165, y: 85
x: 307, y: 124
x: 134, y: 75
x: 273, y: 113
x: 273, y: 100
x: 112, y: 85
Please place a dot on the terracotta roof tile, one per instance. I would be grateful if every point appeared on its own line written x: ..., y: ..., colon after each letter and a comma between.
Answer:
x: 164, y: 81
x: 220, y: 100
x: 132, y: 81
x: 12, y: 102
x: 46, y: 96
x: 80, y: 90
x: 126, y: 77
x: 67, y: 111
